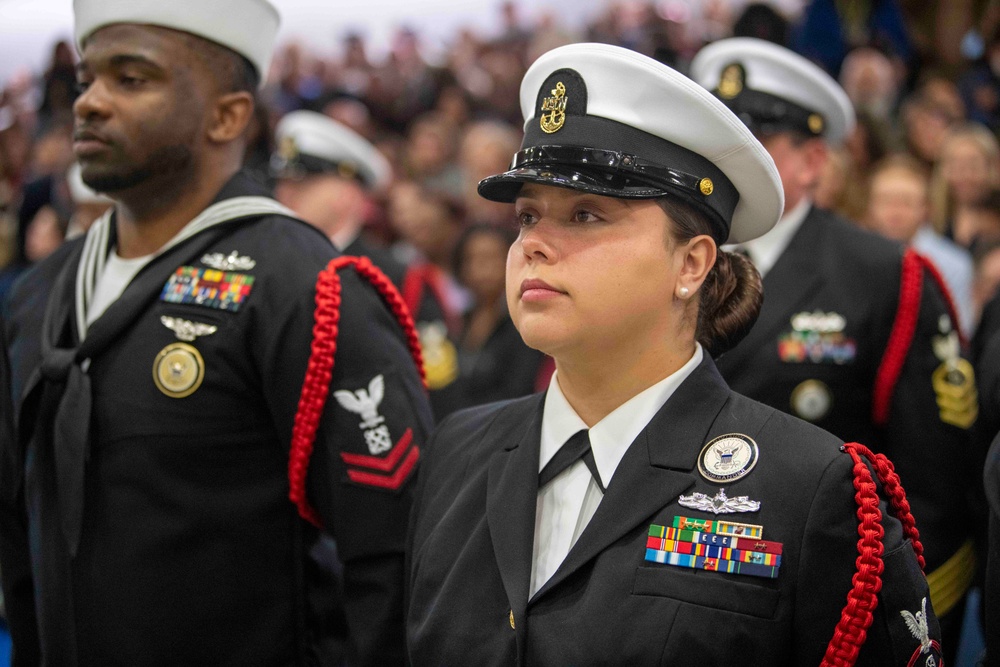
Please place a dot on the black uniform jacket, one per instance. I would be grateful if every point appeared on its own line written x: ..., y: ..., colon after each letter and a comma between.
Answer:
x: 471, y: 548
x: 832, y: 268
x: 190, y: 552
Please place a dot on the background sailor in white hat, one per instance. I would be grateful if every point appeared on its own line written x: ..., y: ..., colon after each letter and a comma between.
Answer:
x: 586, y: 525
x: 327, y: 173
x: 830, y: 345
x: 155, y: 368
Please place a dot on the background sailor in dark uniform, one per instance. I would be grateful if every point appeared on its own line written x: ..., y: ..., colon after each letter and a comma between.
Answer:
x: 326, y: 173
x: 145, y: 514
x: 526, y: 550
x: 836, y: 343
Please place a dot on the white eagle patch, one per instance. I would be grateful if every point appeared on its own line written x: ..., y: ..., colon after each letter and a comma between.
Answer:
x: 365, y: 402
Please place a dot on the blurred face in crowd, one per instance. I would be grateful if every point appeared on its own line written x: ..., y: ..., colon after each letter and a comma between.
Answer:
x: 141, y: 108
x: 325, y: 201
x: 869, y: 79
x: 897, y: 205
x: 422, y: 220
x: 800, y: 162
x: 44, y: 234
x: 966, y: 169
x: 972, y: 223
x: 591, y: 275
x: 929, y: 115
x: 429, y: 147
x: 483, y: 262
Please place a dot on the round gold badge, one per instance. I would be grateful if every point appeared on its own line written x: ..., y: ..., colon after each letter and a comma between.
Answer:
x: 706, y: 186
x: 440, y: 355
x: 815, y: 123
x: 811, y: 400
x: 178, y: 370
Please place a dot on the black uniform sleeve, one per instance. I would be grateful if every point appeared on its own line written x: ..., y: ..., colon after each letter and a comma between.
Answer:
x: 829, y: 552
x: 15, y: 566
x: 928, y: 434
x: 366, y: 450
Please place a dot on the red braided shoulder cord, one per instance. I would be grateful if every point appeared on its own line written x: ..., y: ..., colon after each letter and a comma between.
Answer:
x: 316, y: 386
x: 946, y: 292
x: 856, y: 617
x: 903, y: 328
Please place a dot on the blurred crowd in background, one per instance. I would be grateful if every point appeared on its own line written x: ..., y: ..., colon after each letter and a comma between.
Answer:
x: 922, y: 167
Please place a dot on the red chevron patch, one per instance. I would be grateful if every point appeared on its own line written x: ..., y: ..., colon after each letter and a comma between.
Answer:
x: 383, y: 463
x: 393, y: 481
x: 400, y: 451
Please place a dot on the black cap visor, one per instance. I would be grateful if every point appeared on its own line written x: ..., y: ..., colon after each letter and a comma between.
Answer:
x: 602, y: 172
x: 301, y: 166
x: 505, y: 187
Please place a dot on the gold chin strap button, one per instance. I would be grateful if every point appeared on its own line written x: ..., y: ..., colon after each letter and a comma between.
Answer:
x: 706, y: 186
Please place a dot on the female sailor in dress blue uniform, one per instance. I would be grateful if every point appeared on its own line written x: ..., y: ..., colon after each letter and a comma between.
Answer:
x: 639, y: 511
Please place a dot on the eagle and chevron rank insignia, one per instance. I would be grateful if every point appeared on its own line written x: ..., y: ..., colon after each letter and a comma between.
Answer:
x: 389, y: 465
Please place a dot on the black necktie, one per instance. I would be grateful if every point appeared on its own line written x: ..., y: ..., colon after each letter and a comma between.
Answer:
x: 576, y: 448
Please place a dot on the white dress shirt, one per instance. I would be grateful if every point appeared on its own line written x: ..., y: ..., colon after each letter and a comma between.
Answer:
x: 955, y: 264
x: 765, y: 250
x: 566, y: 505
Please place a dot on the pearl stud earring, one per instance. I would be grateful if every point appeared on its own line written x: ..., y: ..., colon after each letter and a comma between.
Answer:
x: 684, y: 291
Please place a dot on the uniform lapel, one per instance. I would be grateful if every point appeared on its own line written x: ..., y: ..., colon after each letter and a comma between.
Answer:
x: 512, y: 489
x: 655, y: 470
x: 789, y: 283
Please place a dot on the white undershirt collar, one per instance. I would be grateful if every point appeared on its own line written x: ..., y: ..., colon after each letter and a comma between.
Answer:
x: 609, y: 438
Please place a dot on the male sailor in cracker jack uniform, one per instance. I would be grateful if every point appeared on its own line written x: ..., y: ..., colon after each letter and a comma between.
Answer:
x: 176, y: 449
